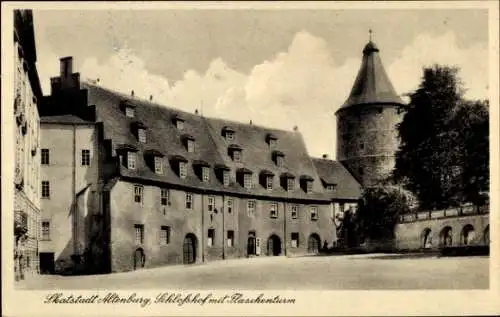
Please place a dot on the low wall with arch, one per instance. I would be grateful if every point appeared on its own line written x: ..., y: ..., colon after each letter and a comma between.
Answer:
x: 455, y: 230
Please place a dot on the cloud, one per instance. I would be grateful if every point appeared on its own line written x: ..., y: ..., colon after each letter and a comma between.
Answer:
x: 301, y: 86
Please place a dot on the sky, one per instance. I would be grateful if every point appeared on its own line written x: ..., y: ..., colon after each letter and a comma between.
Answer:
x: 278, y: 68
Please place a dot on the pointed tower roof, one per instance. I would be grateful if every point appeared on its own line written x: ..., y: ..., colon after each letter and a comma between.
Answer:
x: 372, y: 85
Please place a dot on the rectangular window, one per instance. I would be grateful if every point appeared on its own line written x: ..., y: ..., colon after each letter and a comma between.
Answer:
x: 190, y: 146
x: 205, y: 174
x: 180, y: 124
x: 230, y: 238
x: 229, y: 135
x: 45, y: 231
x: 141, y: 135
x: 189, y: 201
x: 45, y: 189
x: 272, y: 143
x: 130, y: 112
x: 247, y: 180
x: 251, y: 208
x: 164, y: 196
x: 85, y: 157
x: 269, y: 183
x: 138, y: 191
x: 139, y: 234
x: 295, y: 239
x: 182, y: 169
x: 131, y: 160
x: 158, y: 165
x: 314, y: 213
x: 290, y: 184
x: 164, y: 235
x: 211, y: 203
x: 229, y: 204
x: 294, y: 211
x: 211, y: 237
x: 279, y: 160
x: 274, y: 211
x: 309, y: 186
x: 236, y: 156
x: 45, y: 157
x: 330, y: 188
x: 225, y: 178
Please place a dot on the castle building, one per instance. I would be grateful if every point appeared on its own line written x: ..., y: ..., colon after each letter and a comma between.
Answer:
x: 367, y: 138
x: 27, y: 95
x: 131, y: 184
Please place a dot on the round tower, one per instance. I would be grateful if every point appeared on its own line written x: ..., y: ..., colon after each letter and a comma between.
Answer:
x: 367, y: 138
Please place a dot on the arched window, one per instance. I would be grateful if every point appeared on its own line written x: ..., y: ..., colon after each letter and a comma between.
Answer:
x: 467, y: 235
x: 445, y: 237
x: 427, y: 238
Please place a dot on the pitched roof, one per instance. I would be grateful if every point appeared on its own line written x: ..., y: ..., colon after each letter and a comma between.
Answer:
x: 372, y: 85
x: 210, y: 146
x: 64, y: 119
x: 334, y: 173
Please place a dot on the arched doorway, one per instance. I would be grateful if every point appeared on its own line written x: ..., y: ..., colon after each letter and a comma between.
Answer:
x: 139, y: 258
x: 467, y: 235
x: 189, y: 249
x: 486, y: 235
x: 274, y: 245
x: 313, y: 243
x: 251, y: 249
x: 427, y: 238
x: 445, y: 237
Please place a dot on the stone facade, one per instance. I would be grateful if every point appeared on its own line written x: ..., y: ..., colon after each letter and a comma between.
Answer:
x: 27, y: 94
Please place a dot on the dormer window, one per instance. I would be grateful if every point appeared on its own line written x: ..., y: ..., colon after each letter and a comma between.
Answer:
x: 189, y: 143
x: 141, y: 135
x: 182, y: 169
x: 179, y: 163
x: 201, y: 169
x: 330, y: 187
x: 205, y: 172
x: 228, y: 133
x: 127, y: 107
x: 267, y: 179
x: 271, y: 140
x: 234, y: 152
x: 278, y: 158
x: 128, y: 155
x: 222, y: 173
x: 154, y: 159
x: 245, y: 178
x: 179, y: 122
x: 131, y: 160
x: 130, y: 112
x: 158, y: 162
x: 288, y: 181
x: 306, y: 183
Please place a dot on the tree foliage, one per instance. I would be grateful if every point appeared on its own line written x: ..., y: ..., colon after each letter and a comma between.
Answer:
x: 443, y: 154
x: 379, y: 210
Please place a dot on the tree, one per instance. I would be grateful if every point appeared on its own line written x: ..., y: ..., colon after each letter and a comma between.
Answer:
x: 439, y: 136
x: 379, y: 210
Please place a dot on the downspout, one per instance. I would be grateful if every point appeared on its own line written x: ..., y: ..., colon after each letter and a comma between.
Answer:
x: 223, y: 229
x: 284, y: 228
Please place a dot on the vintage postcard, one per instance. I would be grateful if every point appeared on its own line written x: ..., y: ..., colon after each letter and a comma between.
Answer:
x: 250, y: 158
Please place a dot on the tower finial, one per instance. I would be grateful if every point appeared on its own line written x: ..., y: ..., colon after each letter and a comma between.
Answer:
x: 370, y: 31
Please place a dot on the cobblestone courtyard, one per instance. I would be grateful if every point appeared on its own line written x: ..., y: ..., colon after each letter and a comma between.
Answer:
x: 304, y: 273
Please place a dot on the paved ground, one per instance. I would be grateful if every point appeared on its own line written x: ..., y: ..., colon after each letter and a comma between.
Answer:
x: 304, y: 273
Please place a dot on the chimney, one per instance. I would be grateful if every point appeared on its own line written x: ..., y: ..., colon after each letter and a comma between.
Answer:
x: 325, y: 156
x: 295, y: 128
x: 250, y: 122
x: 196, y: 111
x: 66, y: 66
x: 150, y: 97
x: 132, y: 93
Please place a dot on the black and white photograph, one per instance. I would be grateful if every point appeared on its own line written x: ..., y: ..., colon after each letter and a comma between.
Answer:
x: 206, y: 155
